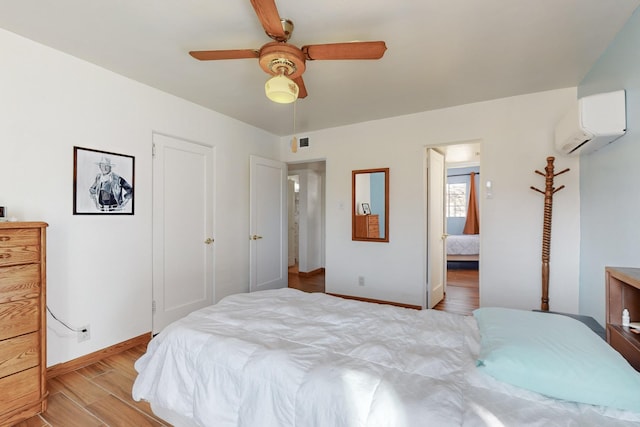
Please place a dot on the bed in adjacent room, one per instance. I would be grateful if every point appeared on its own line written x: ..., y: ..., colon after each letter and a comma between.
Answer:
x: 463, y: 247
x: 289, y: 358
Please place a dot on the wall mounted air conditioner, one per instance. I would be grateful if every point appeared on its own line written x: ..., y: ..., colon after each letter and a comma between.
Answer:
x: 593, y: 122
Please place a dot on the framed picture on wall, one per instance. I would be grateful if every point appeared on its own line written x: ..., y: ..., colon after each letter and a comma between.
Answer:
x: 366, y: 210
x: 103, y: 182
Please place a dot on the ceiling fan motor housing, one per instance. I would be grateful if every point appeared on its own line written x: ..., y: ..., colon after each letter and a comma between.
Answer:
x: 277, y: 57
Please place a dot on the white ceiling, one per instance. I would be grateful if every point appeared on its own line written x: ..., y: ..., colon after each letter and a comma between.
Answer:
x: 440, y: 52
x: 462, y: 155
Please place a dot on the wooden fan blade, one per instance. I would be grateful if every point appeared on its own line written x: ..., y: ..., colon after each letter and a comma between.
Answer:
x: 302, y: 90
x: 210, y: 55
x: 269, y: 18
x: 353, y: 50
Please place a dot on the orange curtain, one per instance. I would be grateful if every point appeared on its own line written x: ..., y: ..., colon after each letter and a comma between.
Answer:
x: 472, y: 226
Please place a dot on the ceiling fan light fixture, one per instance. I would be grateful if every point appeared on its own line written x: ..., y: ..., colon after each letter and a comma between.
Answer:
x: 281, y: 89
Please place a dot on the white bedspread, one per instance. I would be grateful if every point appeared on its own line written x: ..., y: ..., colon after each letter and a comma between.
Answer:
x: 463, y: 244
x: 289, y: 358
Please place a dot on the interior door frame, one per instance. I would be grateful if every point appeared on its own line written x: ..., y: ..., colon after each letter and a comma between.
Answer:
x: 444, y: 146
x: 319, y: 167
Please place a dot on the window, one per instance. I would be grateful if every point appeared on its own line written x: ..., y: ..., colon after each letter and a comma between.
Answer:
x: 457, y: 200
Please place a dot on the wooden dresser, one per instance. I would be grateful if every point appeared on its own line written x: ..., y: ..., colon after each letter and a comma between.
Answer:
x: 23, y: 343
x: 367, y: 226
x: 623, y: 291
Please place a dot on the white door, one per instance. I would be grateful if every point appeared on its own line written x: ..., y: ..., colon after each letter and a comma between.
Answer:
x: 183, y: 247
x: 267, y: 224
x: 435, y: 228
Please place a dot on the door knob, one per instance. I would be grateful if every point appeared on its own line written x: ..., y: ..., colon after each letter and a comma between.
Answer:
x: 255, y: 237
x: 209, y: 241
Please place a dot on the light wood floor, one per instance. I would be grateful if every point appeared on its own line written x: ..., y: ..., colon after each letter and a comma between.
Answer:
x: 463, y: 294
x: 99, y: 395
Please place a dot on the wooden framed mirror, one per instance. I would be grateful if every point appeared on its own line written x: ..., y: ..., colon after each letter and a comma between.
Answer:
x: 370, y: 205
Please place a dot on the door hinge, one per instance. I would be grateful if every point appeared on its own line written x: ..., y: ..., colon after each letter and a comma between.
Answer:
x: 153, y: 150
x: 153, y: 307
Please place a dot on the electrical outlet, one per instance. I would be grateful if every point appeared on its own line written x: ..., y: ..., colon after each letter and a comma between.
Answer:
x: 84, y: 333
x: 361, y: 280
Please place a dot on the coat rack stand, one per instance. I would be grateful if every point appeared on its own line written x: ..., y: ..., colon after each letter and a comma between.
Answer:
x: 548, y: 192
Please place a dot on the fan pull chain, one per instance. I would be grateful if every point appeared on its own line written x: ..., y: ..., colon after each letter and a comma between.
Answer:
x: 294, y: 140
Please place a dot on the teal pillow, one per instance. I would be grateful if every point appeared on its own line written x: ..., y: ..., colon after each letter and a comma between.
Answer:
x: 556, y: 356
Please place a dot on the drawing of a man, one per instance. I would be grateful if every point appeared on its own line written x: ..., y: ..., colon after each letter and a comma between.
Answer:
x: 110, y: 191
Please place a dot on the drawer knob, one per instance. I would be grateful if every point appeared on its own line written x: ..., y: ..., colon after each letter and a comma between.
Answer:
x: 4, y: 238
x: 3, y: 256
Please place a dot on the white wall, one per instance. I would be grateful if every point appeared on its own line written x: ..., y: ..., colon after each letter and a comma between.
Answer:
x: 610, y: 176
x: 517, y: 135
x: 51, y: 102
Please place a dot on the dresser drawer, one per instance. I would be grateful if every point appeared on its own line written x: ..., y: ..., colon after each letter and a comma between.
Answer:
x: 19, y: 282
x: 19, y: 317
x: 18, y: 354
x: 19, y: 237
x: 24, y: 389
x: 19, y: 255
x: 19, y: 246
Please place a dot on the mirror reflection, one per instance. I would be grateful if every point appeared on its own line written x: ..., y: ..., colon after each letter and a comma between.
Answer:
x: 370, y: 205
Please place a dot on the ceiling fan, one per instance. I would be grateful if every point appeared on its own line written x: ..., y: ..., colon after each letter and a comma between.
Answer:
x: 286, y: 62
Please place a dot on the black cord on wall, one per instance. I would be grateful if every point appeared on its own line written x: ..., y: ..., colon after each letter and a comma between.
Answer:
x: 64, y: 324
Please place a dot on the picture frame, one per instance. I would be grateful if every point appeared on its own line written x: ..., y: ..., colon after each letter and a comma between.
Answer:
x: 103, y: 182
x: 366, y: 209
x: 3, y: 214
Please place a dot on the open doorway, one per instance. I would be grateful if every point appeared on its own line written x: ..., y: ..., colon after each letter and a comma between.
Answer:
x: 306, y: 229
x: 462, y: 226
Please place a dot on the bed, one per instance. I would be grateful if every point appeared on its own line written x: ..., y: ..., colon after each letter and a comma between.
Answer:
x: 289, y: 358
x: 463, y: 247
